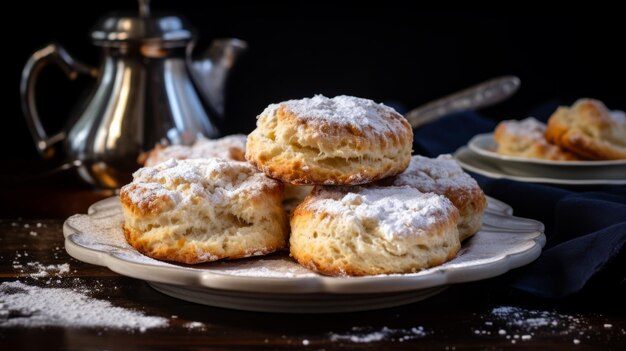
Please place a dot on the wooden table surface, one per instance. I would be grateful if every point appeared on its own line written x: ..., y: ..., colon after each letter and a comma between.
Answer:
x: 462, y: 317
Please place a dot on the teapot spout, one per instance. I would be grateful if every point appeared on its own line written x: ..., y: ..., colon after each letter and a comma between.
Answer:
x: 210, y: 70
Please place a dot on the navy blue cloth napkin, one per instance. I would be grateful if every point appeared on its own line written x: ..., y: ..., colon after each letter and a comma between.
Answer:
x: 585, y: 226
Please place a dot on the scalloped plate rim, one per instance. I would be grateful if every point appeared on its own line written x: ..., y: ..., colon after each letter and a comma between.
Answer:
x: 437, y: 276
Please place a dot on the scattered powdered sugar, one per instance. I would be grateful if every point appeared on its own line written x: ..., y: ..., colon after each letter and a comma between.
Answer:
x: 516, y: 316
x: 344, y: 110
x: 398, y: 211
x: 368, y: 334
x: 435, y: 175
x: 232, y: 147
x: 45, y: 295
x: 194, y: 325
x: 528, y: 127
x: 519, y: 324
x: 42, y: 271
x: 36, y: 270
x: 31, y: 306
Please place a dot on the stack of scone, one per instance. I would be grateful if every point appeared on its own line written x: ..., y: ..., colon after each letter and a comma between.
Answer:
x: 345, y: 227
x: 374, y: 209
x: 585, y: 131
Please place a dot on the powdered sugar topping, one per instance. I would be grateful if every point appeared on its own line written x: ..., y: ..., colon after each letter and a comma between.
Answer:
x: 529, y: 127
x: 180, y: 181
x: 230, y: 147
x: 398, y: 211
x: 342, y: 110
x: 526, y: 138
x: 435, y: 175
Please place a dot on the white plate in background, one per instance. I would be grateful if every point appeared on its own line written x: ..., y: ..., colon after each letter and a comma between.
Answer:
x: 484, y: 145
x: 524, y: 172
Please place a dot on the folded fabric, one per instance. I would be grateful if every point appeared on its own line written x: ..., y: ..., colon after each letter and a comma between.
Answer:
x: 585, y: 226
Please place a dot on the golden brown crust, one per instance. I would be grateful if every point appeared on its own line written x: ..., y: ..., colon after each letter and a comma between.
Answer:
x: 326, y: 266
x: 526, y: 138
x: 305, y: 150
x: 349, y: 241
x: 444, y: 176
x: 202, y: 210
x: 179, y: 252
x: 589, y: 129
x: 151, y: 203
x: 471, y: 204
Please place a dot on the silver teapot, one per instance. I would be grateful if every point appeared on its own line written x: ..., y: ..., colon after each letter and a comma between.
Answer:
x: 148, y: 89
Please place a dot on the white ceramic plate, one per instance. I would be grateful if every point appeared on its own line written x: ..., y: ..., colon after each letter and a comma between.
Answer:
x: 485, y: 145
x: 276, y: 283
x: 474, y: 162
x: 596, y: 172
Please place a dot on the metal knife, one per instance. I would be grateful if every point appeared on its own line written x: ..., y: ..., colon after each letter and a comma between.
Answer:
x: 477, y: 96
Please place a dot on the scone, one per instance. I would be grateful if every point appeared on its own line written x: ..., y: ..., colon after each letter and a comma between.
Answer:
x: 444, y: 176
x: 373, y: 230
x: 343, y: 140
x: 589, y: 129
x: 231, y: 147
x: 526, y: 138
x: 202, y: 210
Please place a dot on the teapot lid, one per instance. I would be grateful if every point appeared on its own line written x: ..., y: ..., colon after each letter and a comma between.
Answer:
x: 118, y: 28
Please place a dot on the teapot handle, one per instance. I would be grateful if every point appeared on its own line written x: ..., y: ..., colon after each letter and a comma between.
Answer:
x: 52, y: 53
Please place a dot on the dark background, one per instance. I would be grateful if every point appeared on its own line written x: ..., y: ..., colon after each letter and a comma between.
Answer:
x: 388, y: 52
